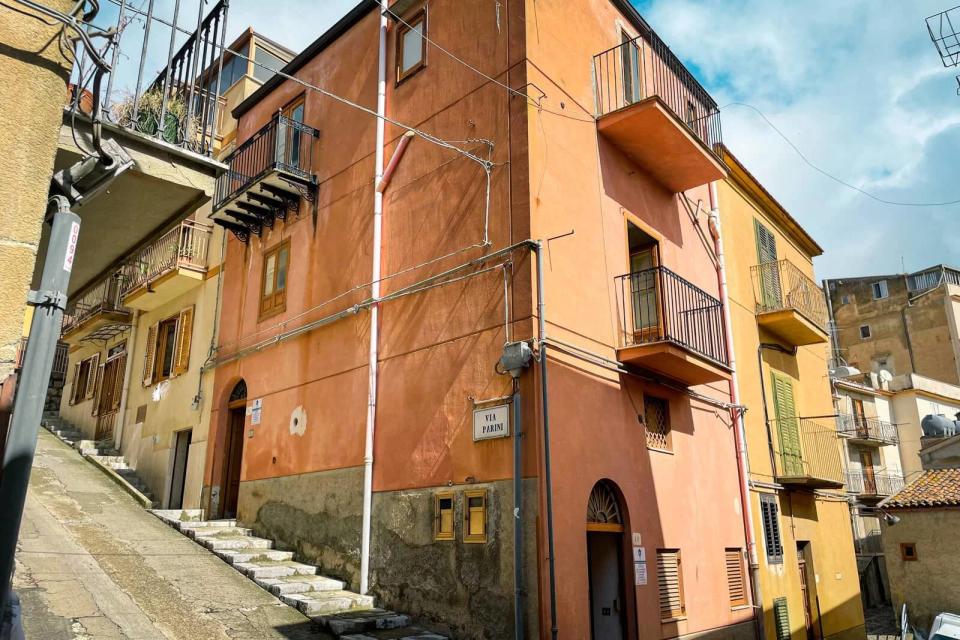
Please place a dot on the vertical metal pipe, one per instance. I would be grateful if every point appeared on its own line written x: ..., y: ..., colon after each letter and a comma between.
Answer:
x: 547, y: 479
x: 194, y: 60
x: 216, y: 95
x: 116, y: 55
x: 168, y: 71
x: 517, y: 514
x: 32, y: 383
x: 143, y: 60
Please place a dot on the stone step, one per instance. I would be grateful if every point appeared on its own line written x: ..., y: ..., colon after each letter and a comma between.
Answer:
x: 195, y: 524
x: 222, y: 532
x: 288, y: 585
x: 351, y: 622
x: 217, y: 543
x: 270, y: 569
x: 233, y: 556
x: 323, y: 603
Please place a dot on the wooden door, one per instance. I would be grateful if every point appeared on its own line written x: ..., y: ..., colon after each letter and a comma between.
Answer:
x: 604, y: 558
x: 788, y: 428
x: 645, y: 295
x: 178, y: 479
x: 860, y: 418
x: 869, y: 477
x: 234, y: 458
x: 805, y: 591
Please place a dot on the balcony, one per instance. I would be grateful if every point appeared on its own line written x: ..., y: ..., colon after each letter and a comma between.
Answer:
x: 160, y: 271
x: 98, y: 314
x: 870, y: 544
x: 789, y: 304
x: 808, y: 455
x: 267, y: 176
x: 652, y: 108
x: 873, y: 484
x: 866, y: 431
x: 59, y: 371
x: 671, y: 327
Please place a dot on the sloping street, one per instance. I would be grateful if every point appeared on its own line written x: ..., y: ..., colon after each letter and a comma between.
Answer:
x: 93, y: 564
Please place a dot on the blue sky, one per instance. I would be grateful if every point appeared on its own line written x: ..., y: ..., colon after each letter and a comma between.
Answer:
x: 857, y: 85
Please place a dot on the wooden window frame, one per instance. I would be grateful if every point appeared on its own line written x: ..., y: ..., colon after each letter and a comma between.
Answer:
x: 275, y: 307
x: 156, y: 344
x: 869, y: 332
x: 86, y: 391
x: 471, y: 538
x: 729, y: 553
x: 675, y: 614
x: 908, y: 551
x: 403, y: 29
x: 773, y: 547
x: 438, y: 533
x: 161, y: 347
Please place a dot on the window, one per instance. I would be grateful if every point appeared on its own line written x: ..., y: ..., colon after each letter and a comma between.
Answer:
x: 411, y: 46
x: 908, y: 551
x: 880, y: 290
x: 781, y: 619
x: 865, y: 331
x: 85, y: 379
x: 167, y: 353
x: 476, y: 516
x: 294, y: 146
x: 771, y: 528
x: 656, y: 420
x: 736, y: 583
x: 443, y: 516
x: 270, y: 61
x: 670, y: 582
x: 273, y: 287
x: 771, y: 290
x: 844, y: 299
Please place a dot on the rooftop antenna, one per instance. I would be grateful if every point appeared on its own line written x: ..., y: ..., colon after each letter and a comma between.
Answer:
x: 942, y: 28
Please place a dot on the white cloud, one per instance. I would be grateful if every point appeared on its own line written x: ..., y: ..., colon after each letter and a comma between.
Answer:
x: 858, y: 86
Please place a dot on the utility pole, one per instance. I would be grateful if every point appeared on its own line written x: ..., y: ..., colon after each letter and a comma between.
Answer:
x: 48, y: 303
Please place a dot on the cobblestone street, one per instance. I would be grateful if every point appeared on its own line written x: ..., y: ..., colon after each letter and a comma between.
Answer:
x: 93, y: 564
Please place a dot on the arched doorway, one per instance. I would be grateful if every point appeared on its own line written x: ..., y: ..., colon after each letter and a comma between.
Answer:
x: 233, y: 449
x: 605, y: 526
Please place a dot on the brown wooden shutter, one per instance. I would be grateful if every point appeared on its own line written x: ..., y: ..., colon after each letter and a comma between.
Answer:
x: 97, y: 378
x: 181, y: 354
x: 736, y: 584
x: 117, y: 393
x: 150, y: 353
x: 92, y: 376
x: 73, y: 386
x: 670, y: 582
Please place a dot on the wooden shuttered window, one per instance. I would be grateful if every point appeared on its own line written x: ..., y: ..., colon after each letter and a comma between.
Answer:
x: 150, y: 354
x: 770, y: 289
x: 781, y: 619
x: 93, y: 376
x: 766, y: 243
x: 788, y: 427
x: 181, y: 357
x: 769, y: 514
x: 76, y: 380
x: 670, y: 582
x: 97, y: 377
x: 273, y: 280
x: 736, y: 581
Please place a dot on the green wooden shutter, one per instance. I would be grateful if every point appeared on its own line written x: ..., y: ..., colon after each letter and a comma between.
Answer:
x: 781, y: 619
x: 788, y: 431
x: 770, y: 289
x: 769, y: 515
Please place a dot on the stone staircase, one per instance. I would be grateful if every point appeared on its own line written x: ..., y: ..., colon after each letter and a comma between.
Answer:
x: 343, y: 613
x: 103, y: 454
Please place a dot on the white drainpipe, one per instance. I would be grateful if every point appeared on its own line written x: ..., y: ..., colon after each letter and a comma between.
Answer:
x: 374, y: 310
x: 127, y: 372
x: 743, y: 465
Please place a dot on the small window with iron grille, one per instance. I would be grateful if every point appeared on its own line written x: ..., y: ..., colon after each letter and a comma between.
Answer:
x: 656, y: 421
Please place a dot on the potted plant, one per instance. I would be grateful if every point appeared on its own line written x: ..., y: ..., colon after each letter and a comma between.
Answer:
x: 175, y: 129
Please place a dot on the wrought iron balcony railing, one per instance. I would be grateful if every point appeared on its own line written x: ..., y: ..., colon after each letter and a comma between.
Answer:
x: 645, y: 67
x: 780, y: 285
x: 875, y: 483
x: 283, y: 145
x: 806, y: 452
x: 59, y: 358
x: 869, y: 544
x: 105, y: 297
x: 866, y: 428
x: 183, y: 247
x: 657, y: 305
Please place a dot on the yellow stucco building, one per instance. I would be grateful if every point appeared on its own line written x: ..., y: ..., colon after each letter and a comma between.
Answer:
x: 804, y: 569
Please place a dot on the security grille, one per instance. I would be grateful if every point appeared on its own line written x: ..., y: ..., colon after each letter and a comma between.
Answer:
x: 656, y: 414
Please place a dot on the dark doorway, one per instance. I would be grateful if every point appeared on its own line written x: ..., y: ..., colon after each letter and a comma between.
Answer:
x: 808, y: 588
x: 178, y: 478
x: 233, y: 450
x: 608, y: 617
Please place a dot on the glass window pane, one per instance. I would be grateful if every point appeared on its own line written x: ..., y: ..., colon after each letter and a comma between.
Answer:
x: 268, y: 274
x: 282, y: 268
x: 264, y: 57
x: 411, y: 51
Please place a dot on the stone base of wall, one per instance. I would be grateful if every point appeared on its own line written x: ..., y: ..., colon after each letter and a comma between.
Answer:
x: 741, y: 631
x: 465, y: 589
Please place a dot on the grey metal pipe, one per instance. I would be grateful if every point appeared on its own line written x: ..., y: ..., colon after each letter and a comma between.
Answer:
x: 49, y: 303
x: 547, y: 479
x: 517, y: 514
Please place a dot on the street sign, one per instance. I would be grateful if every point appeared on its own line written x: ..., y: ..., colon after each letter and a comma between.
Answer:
x: 491, y: 422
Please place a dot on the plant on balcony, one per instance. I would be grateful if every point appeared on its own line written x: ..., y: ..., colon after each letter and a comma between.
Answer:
x: 176, y: 127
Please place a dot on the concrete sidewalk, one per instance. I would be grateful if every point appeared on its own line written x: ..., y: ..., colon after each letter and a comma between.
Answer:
x: 93, y: 564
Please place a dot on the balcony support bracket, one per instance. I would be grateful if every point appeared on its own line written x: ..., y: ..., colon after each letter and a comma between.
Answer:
x: 240, y: 232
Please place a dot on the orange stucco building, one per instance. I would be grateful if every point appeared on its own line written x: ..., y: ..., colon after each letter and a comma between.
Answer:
x: 569, y: 123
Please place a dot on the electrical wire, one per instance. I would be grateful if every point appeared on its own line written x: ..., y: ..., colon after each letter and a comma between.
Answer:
x: 829, y: 175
